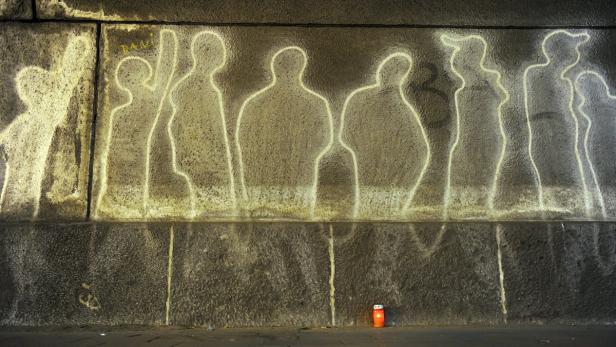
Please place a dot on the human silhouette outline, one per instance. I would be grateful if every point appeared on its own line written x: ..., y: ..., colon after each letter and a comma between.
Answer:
x: 282, y: 132
x: 198, y: 128
x: 554, y: 129
x: 387, y: 140
x: 597, y: 106
x: 124, y: 168
x: 26, y: 141
x: 478, y: 141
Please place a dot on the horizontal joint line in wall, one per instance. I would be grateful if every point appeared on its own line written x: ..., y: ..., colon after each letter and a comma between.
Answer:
x: 263, y: 221
x: 308, y: 25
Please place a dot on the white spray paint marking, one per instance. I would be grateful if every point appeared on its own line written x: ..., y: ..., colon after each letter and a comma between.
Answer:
x: 72, y: 12
x: 447, y: 194
x: 414, y: 116
x: 330, y: 124
x: 156, y: 87
x: 501, y: 272
x: 146, y: 187
x: 28, y: 138
x: 169, y: 275
x: 220, y: 109
x: 587, y: 199
x: 105, y: 153
x: 580, y: 108
x: 332, y: 274
x: 455, y: 43
x: 562, y: 76
x: 7, y: 178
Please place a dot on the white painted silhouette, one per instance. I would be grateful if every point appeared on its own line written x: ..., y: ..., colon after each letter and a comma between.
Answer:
x: 597, y: 106
x: 479, y: 141
x: 554, y: 130
x: 125, y: 159
x: 387, y: 141
x: 199, y: 132
x: 282, y: 132
x: 26, y: 141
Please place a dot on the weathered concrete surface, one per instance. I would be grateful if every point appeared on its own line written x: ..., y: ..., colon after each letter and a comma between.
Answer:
x: 15, y: 9
x: 45, y: 119
x: 422, y: 273
x: 562, y: 336
x: 79, y: 274
x: 371, y: 124
x: 560, y: 270
x: 250, y: 275
x: 415, y: 12
x: 291, y: 274
x: 429, y: 273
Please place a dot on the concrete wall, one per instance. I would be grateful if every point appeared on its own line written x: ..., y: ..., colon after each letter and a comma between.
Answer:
x: 293, y: 163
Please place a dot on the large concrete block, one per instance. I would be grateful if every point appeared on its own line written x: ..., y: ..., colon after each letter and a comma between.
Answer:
x: 564, y: 272
x: 152, y: 274
x: 46, y: 112
x: 15, y: 9
x: 81, y: 274
x: 250, y: 275
x: 421, y: 273
x: 306, y: 274
x: 202, y: 123
x: 413, y: 12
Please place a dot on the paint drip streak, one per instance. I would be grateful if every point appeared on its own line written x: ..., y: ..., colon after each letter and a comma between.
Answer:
x: 332, y: 273
x: 169, y: 276
x: 503, y: 294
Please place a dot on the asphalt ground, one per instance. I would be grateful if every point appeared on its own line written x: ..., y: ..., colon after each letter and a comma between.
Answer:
x: 514, y: 336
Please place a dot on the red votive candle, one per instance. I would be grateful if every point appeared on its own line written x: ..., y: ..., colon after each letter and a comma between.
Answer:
x: 378, y: 316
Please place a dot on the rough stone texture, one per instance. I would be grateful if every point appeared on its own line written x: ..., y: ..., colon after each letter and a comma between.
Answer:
x: 560, y: 270
x: 78, y: 274
x: 281, y: 274
x: 422, y: 273
x: 414, y: 12
x: 456, y: 124
x: 15, y: 9
x: 365, y: 125
x: 250, y: 275
x: 45, y: 119
x: 425, y: 274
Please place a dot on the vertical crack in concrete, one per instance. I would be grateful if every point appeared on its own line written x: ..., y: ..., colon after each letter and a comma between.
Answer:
x: 332, y: 273
x: 169, y: 276
x: 501, y: 273
x: 97, y: 74
x: 34, y: 15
